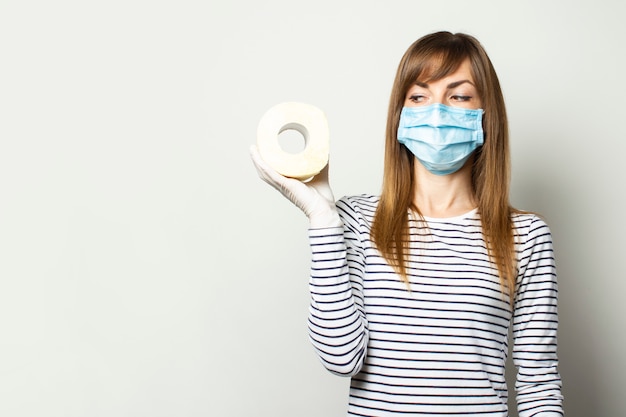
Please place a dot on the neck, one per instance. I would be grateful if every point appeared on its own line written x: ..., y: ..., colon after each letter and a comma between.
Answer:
x: 444, y: 195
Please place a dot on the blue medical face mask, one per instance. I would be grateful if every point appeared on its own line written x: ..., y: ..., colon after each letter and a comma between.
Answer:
x: 441, y: 137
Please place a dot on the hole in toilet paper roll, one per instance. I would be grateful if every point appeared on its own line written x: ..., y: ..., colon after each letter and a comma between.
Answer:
x: 293, y: 138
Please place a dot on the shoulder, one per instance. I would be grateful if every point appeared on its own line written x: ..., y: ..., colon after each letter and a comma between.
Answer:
x: 361, y: 201
x: 525, y: 219
x: 529, y: 227
x: 358, y: 208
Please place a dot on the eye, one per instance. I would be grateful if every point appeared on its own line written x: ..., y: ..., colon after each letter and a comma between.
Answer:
x: 461, y: 98
x: 417, y: 98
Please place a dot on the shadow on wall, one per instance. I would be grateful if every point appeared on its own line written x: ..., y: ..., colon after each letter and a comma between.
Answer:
x: 558, y: 202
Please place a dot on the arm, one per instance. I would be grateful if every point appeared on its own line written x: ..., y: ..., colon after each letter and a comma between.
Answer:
x: 535, y: 322
x: 337, y: 323
x: 337, y: 320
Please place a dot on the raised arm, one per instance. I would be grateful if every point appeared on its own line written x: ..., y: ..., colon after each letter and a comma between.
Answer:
x: 337, y: 323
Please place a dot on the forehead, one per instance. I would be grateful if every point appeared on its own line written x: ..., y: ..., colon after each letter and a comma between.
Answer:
x: 437, y: 68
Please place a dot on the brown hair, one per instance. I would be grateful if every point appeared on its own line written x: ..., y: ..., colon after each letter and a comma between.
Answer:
x: 430, y: 58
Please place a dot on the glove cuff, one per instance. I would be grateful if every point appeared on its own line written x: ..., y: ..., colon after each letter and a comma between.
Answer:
x: 326, y: 219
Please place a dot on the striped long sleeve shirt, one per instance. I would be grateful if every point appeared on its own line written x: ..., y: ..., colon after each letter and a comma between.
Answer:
x: 439, y: 346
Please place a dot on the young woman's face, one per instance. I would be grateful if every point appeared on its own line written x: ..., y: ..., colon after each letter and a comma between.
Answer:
x: 455, y: 90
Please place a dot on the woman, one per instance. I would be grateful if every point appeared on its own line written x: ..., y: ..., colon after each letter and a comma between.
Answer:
x: 413, y: 291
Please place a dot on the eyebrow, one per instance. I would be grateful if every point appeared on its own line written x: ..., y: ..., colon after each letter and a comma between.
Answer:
x: 449, y: 86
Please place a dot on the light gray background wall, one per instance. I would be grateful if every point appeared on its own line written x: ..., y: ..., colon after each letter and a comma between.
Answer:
x: 145, y: 270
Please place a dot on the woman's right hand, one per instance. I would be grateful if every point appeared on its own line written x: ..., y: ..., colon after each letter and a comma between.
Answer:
x: 314, y: 198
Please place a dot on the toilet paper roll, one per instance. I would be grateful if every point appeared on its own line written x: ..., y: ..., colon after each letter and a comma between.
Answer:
x: 311, y: 123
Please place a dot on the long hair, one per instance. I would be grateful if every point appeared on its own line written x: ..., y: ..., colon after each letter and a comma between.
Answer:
x: 431, y: 58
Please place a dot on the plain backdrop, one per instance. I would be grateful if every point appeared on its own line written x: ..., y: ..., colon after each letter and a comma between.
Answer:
x: 146, y: 270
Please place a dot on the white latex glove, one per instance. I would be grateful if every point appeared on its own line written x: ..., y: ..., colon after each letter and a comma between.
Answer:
x: 314, y: 198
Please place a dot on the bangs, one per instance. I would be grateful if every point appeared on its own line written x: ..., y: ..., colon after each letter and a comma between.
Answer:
x: 438, y: 66
x: 435, y: 58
